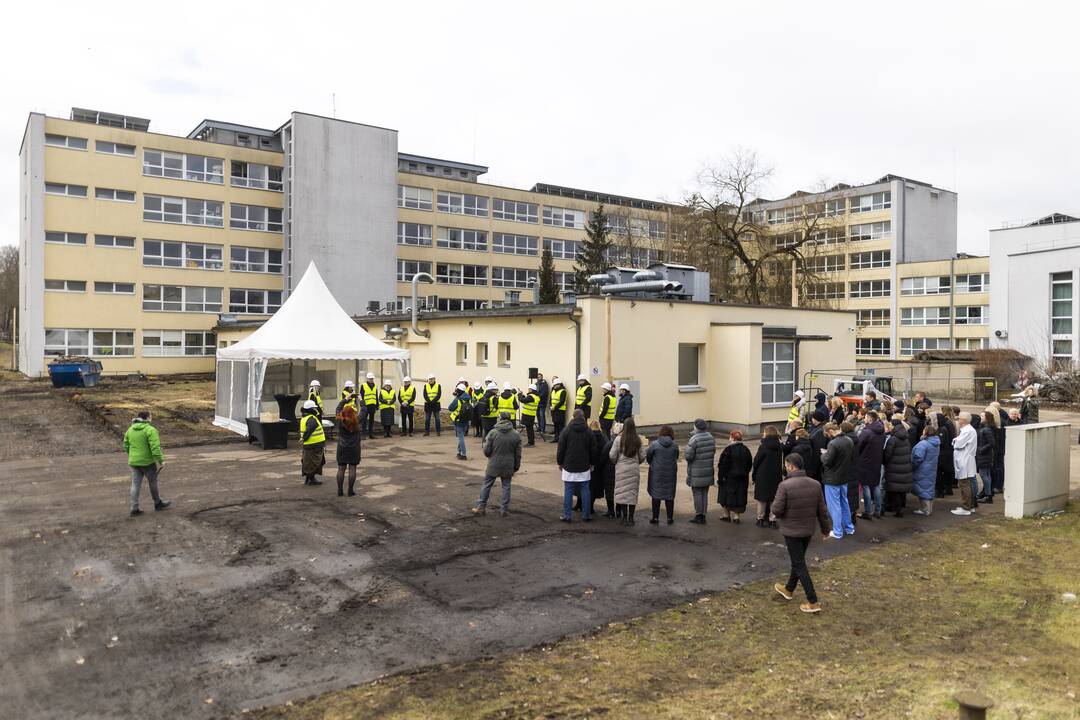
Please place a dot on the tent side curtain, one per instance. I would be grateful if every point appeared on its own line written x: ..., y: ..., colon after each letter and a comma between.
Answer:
x: 231, y: 407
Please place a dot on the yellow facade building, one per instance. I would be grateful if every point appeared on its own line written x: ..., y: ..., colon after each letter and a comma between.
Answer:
x: 133, y: 243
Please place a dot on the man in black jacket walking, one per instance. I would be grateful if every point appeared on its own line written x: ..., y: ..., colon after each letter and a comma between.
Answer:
x: 799, y: 507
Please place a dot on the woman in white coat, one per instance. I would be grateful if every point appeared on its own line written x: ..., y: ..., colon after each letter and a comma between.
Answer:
x: 627, y: 454
x: 964, y: 445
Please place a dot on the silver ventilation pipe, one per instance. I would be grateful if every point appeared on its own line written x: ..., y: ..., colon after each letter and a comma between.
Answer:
x: 416, y: 303
x: 650, y: 286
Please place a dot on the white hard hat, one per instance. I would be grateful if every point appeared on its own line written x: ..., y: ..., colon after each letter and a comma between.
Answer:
x: 479, y: 383
x: 799, y: 393
x: 462, y: 379
x: 310, y: 405
x: 606, y: 386
x: 489, y: 379
x: 406, y: 379
x: 556, y: 380
x: 430, y: 375
x: 492, y: 386
x: 316, y: 383
x: 624, y: 386
x: 532, y: 386
x: 462, y: 387
x: 507, y: 386
x: 582, y: 377
x: 349, y: 383
x: 371, y: 376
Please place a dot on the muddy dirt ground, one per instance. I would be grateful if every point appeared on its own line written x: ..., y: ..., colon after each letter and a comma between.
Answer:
x: 255, y: 590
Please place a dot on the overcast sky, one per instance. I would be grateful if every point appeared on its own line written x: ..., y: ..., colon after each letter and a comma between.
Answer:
x: 624, y: 97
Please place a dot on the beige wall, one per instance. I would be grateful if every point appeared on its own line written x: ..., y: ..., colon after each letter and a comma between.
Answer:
x: 644, y: 339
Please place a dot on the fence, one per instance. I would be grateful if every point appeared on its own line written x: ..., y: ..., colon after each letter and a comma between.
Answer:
x: 905, y: 382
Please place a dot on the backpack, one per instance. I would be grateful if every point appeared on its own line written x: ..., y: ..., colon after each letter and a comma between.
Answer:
x: 465, y: 407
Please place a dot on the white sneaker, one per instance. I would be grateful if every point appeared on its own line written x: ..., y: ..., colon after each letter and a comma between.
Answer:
x: 960, y: 511
x: 918, y: 512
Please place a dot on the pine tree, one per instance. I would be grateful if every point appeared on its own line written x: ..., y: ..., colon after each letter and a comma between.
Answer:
x: 549, y: 291
x: 592, y: 255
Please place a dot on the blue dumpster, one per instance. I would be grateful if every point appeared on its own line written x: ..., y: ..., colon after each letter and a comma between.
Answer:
x: 75, y: 372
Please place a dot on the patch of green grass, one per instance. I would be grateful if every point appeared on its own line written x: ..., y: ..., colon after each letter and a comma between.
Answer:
x: 904, y: 627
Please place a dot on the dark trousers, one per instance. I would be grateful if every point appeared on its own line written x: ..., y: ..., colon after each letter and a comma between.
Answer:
x: 430, y: 412
x: 998, y: 483
x: 486, y: 424
x: 477, y: 425
x: 946, y: 480
x: 853, y: 499
x: 558, y: 422
x: 370, y: 411
x: 609, y: 491
x: 541, y: 418
x: 605, y: 427
x: 796, y: 547
x: 406, y: 419
x: 668, y: 504
x: 586, y: 410
x: 529, y: 421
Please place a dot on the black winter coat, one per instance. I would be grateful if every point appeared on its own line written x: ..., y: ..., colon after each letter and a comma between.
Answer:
x: 625, y: 408
x: 837, y: 460
x: 663, y: 458
x: 946, y: 433
x: 818, y: 442
x: 987, y: 447
x: 868, y: 454
x: 575, y: 453
x: 854, y: 438
x: 733, y: 476
x: 600, y: 464
x: 768, y: 469
x: 801, y: 447
x: 897, y: 454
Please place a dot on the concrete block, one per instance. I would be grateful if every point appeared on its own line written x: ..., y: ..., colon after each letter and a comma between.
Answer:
x: 1036, y: 468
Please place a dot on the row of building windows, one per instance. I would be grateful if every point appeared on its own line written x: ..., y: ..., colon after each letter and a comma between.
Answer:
x: 478, y: 275
x: 857, y: 261
x: 184, y: 211
x: 121, y: 343
x: 417, y: 198
x: 882, y: 347
x: 180, y: 298
x: 420, y: 235
x: 184, y: 166
x: 828, y: 208
x: 964, y: 315
x: 943, y: 285
x: 186, y: 255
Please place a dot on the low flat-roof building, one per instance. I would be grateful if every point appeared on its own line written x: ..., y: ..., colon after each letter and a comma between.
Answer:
x: 736, y: 366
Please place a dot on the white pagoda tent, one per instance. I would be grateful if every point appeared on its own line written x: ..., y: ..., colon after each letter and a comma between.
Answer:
x: 309, y: 326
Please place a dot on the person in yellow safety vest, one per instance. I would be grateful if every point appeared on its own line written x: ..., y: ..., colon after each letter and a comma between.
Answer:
x: 387, y: 396
x: 558, y: 408
x: 530, y: 403
x: 508, y: 402
x: 407, y: 398
x: 313, y: 442
x: 794, y: 420
x: 583, y: 399
x: 314, y: 391
x: 348, y: 398
x: 369, y: 393
x: 477, y: 394
x: 432, y: 405
x: 489, y: 408
x: 460, y: 407
x: 607, y: 410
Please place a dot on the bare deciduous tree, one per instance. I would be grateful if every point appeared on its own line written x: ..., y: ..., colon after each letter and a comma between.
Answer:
x: 753, y: 256
x: 9, y: 288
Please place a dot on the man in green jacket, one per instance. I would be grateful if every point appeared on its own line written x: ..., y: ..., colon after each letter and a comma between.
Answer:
x: 143, y: 446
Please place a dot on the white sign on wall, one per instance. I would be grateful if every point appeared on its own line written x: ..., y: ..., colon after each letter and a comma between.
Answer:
x: 596, y: 371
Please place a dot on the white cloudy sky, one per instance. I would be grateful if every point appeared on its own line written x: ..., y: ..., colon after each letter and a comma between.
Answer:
x: 627, y: 97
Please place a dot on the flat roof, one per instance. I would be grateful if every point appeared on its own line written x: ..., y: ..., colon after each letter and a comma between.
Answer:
x: 234, y: 127
x: 599, y: 197
x: 408, y: 157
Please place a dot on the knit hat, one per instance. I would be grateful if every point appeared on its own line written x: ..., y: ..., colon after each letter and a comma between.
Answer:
x: 700, y: 424
x: 821, y: 414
